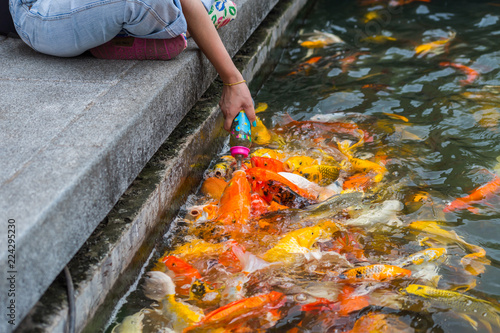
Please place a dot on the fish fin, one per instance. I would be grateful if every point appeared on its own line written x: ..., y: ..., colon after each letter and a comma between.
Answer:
x: 423, y: 241
x: 435, y: 280
x: 470, y: 320
x: 473, y: 210
x: 464, y: 287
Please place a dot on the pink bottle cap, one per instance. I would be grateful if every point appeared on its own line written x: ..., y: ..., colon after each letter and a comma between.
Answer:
x: 239, y: 150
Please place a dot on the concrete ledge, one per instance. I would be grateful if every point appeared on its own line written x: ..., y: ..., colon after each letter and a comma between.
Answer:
x: 148, y: 206
x: 73, y: 136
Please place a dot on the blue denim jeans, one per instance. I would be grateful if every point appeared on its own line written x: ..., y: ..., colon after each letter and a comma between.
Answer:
x: 68, y: 28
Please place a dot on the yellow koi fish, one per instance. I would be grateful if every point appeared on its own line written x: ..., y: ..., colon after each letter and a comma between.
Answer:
x: 180, y: 314
x: 319, y: 174
x: 473, y: 262
x: 260, y: 133
x: 465, y: 306
x: 426, y: 255
x: 436, y: 47
x: 299, y: 241
x: 296, y: 162
x: 130, y: 324
x: 266, y: 152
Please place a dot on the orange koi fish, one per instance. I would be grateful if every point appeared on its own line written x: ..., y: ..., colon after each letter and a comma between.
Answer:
x: 472, y: 75
x: 213, y: 187
x: 237, y: 311
x: 359, y: 182
x: 350, y: 303
x: 184, y: 273
x: 436, y: 47
x: 377, y: 272
x: 258, y: 206
x: 267, y: 163
x: 395, y: 3
x: 320, y: 127
x: 347, y: 61
x: 477, y: 196
x: 348, y: 245
x: 234, y: 205
x: 306, y: 66
x: 262, y: 175
x: 375, y: 86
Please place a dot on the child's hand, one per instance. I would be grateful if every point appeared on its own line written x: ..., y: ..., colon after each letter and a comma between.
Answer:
x: 233, y: 100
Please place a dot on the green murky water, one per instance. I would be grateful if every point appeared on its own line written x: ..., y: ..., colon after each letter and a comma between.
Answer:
x: 441, y: 139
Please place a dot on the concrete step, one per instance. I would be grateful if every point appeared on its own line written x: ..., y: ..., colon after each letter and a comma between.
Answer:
x: 74, y: 135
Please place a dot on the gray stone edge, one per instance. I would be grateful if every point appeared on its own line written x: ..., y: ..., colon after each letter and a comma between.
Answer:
x: 102, y: 275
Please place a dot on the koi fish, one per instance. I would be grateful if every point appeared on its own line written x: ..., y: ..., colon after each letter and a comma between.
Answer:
x: 197, y: 248
x: 319, y: 39
x: 130, y: 324
x: 465, y: 306
x: 472, y: 75
x: 234, y: 205
x: 267, y: 163
x: 396, y: 3
x: 213, y: 187
x: 473, y: 262
x: 348, y: 245
x: 296, y: 162
x: 259, y: 176
x: 396, y: 116
x: 380, y: 323
x: 382, y: 214
x: 379, y: 39
x: 347, y: 61
x: 320, y: 174
x: 361, y: 165
x: 299, y: 242
x: 180, y: 314
x: 222, y: 169
x: 305, y: 66
x: 349, y: 302
x: 375, y: 86
x: 359, y: 181
x: 237, y: 311
x: 426, y: 255
x: 202, y: 213
x: 260, y: 133
x: 183, y: 273
x: 477, y: 196
x: 436, y: 47
x: 319, y: 128
x: 266, y: 152
x: 323, y: 193
x: 377, y: 272
x: 204, y: 294
x: 261, y: 107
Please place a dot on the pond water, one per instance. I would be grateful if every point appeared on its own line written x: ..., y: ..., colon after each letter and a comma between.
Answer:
x: 420, y: 80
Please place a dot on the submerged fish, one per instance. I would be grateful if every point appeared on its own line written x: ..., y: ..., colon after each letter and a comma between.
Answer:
x: 319, y: 39
x: 333, y: 205
x: 472, y: 75
x: 426, y: 255
x: 296, y: 162
x: 179, y: 314
x: 299, y: 242
x: 465, y: 306
x: 473, y: 262
x: 378, y: 39
x: 384, y: 214
x: 436, y: 47
x: 130, y: 324
x: 377, y: 272
x: 260, y: 133
x: 320, y: 174
x: 237, y: 311
x: 479, y: 195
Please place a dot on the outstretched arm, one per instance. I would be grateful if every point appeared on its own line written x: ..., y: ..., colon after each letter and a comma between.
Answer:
x: 234, y: 98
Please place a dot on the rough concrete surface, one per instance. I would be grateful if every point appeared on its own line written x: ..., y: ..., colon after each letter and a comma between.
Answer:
x: 74, y: 133
x: 116, y: 251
